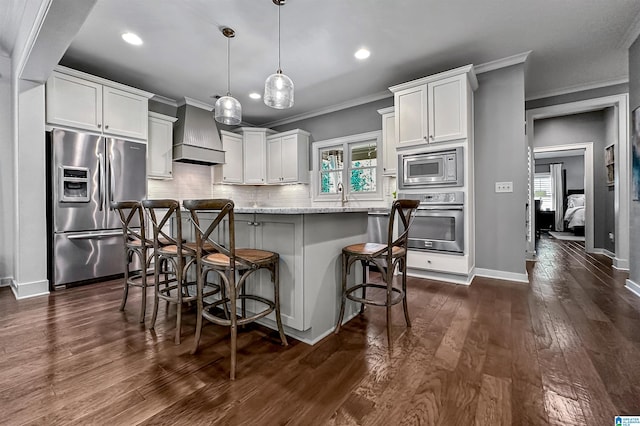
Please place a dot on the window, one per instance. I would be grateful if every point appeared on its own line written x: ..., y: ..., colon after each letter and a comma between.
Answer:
x: 350, y: 161
x: 543, y: 190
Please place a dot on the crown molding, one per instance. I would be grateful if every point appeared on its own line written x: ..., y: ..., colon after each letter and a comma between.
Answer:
x: 166, y: 101
x: 90, y: 77
x: 576, y: 88
x: 631, y: 34
x: 519, y: 58
x: 332, y: 108
x: 196, y: 103
x: 387, y: 110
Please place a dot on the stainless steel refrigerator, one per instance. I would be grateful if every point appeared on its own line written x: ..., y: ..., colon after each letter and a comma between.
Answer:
x: 87, y: 173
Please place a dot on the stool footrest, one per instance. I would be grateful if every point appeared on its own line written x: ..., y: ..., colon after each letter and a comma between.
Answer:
x: 396, y: 295
x: 240, y: 321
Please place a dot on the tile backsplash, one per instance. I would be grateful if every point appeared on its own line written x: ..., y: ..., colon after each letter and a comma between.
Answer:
x: 192, y: 181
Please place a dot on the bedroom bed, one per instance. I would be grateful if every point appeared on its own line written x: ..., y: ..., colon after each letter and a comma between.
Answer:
x: 574, y: 214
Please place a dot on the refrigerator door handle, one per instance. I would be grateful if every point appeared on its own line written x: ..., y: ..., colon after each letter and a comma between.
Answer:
x: 100, y: 181
x: 111, y: 182
x: 90, y: 236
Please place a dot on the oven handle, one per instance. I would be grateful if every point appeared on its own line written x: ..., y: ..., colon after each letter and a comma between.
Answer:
x: 440, y: 208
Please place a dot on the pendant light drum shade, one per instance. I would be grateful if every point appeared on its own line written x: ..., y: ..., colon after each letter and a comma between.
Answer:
x: 278, y: 91
x: 228, y: 109
x: 278, y: 88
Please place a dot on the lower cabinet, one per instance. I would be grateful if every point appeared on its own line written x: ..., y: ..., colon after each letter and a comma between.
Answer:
x: 281, y: 234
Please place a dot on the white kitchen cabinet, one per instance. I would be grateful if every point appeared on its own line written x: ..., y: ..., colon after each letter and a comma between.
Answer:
x: 447, y: 109
x: 160, y: 146
x: 254, y: 141
x: 82, y: 101
x: 281, y: 234
x: 288, y: 157
x: 411, y: 116
x: 232, y: 169
x: 389, y: 155
x: 434, y: 109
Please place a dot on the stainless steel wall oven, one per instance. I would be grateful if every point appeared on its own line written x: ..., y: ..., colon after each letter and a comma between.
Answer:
x: 439, y: 222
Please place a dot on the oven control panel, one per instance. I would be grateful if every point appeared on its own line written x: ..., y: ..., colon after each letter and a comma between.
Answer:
x: 452, y: 197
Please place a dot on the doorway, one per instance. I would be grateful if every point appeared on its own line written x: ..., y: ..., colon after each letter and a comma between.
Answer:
x: 617, y: 130
x: 559, y: 192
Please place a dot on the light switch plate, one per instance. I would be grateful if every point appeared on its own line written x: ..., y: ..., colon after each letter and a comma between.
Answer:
x: 504, y: 186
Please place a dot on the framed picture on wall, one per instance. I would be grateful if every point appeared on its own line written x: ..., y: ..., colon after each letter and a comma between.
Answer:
x: 635, y: 154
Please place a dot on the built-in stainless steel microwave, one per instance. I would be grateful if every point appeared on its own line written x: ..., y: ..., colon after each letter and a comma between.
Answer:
x: 427, y: 169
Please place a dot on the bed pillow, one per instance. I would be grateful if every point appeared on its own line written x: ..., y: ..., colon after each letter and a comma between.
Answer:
x: 575, y: 200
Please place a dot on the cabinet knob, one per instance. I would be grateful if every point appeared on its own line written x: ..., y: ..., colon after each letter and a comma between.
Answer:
x: 431, y: 137
x: 106, y: 126
x: 99, y: 125
x: 424, y: 137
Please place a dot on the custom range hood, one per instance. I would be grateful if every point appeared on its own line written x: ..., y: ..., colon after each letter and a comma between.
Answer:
x: 195, y: 137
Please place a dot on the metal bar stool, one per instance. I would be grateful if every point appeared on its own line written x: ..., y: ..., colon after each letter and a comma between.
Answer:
x: 225, y: 263
x: 136, y: 245
x: 172, y: 257
x: 386, y: 257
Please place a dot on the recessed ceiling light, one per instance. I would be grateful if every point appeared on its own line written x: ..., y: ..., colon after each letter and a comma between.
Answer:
x: 362, y: 54
x: 255, y: 95
x: 132, y: 38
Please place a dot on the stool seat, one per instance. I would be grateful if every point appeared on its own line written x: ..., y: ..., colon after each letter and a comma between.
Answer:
x: 387, y: 257
x: 257, y: 257
x: 372, y: 249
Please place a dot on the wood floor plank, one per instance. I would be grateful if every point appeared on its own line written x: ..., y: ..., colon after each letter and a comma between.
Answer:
x: 564, y: 349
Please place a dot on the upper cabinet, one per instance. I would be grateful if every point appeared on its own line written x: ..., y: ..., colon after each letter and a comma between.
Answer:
x: 160, y: 146
x: 254, y: 141
x: 288, y: 157
x: 81, y: 101
x: 260, y: 156
x: 435, y: 108
x: 232, y: 168
x: 389, y: 156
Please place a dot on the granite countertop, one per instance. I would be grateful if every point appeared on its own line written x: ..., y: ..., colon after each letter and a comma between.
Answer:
x: 300, y: 210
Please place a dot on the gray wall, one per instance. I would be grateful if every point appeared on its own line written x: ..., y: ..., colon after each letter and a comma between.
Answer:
x: 500, y: 155
x: 162, y: 108
x: 6, y: 171
x: 573, y: 165
x: 616, y: 89
x: 580, y: 128
x: 634, y: 211
x: 350, y: 121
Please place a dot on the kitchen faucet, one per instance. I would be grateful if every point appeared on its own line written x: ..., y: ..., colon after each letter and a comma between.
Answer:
x: 343, y: 197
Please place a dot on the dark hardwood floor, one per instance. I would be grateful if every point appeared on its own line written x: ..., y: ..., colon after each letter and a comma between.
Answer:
x: 563, y: 350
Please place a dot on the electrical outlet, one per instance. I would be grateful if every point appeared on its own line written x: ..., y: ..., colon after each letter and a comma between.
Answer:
x: 504, y: 186
x: 611, y: 237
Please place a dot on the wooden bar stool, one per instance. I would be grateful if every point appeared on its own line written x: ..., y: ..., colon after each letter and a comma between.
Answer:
x: 226, y: 262
x: 136, y: 245
x: 172, y: 258
x: 386, y: 257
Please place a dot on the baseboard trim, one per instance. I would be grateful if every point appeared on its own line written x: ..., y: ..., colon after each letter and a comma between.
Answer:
x: 502, y: 275
x: 605, y: 252
x: 621, y: 264
x: 633, y: 287
x: 30, y: 289
x: 440, y: 276
x: 5, y: 282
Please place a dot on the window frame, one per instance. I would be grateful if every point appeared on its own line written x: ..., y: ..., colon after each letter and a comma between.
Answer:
x: 346, y: 142
x: 551, y: 196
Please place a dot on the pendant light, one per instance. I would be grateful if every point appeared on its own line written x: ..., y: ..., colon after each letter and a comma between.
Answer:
x: 278, y: 89
x: 227, y: 109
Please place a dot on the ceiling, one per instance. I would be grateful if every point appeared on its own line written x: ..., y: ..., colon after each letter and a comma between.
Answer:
x: 574, y: 43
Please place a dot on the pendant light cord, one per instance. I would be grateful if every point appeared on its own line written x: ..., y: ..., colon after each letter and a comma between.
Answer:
x: 279, y: 68
x: 228, y: 67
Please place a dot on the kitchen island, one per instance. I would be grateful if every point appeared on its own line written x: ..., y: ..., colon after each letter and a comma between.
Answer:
x: 309, y: 241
